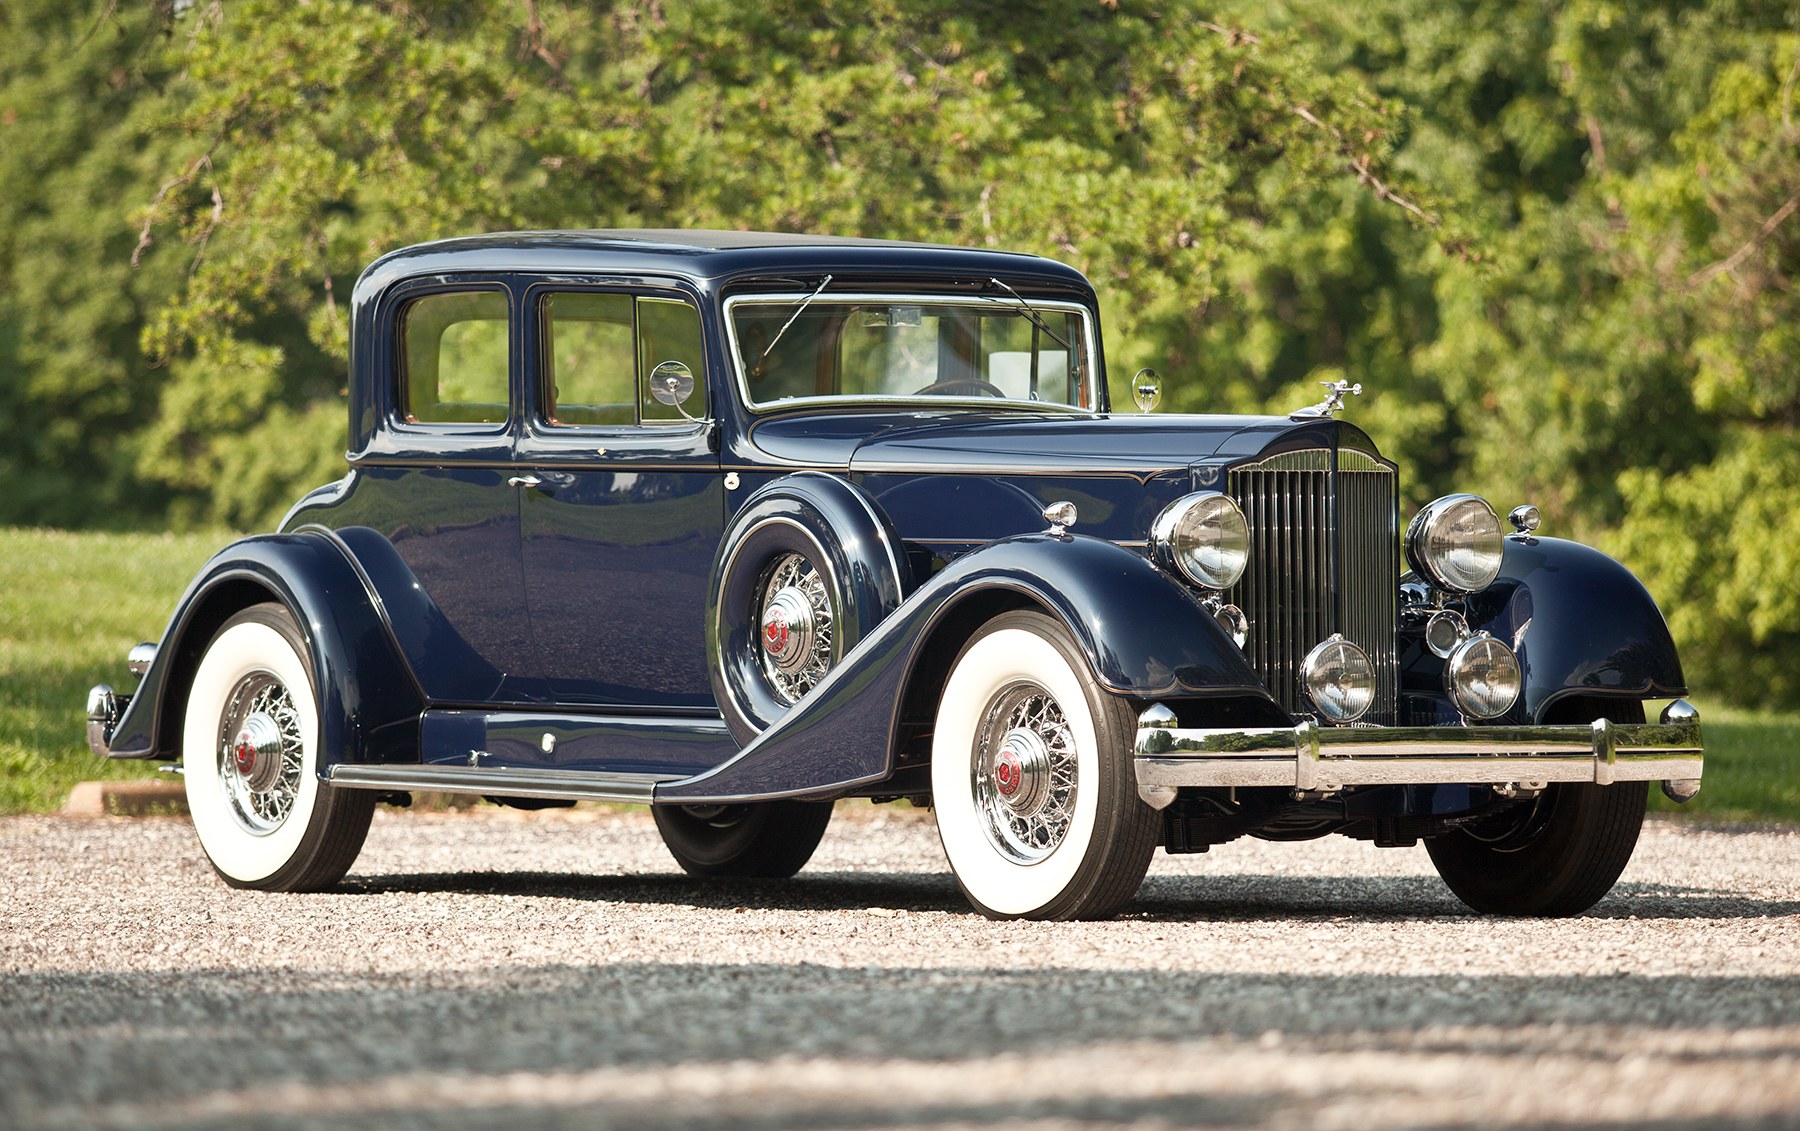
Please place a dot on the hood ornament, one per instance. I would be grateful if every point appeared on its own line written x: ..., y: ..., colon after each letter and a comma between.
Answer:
x: 1334, y: 400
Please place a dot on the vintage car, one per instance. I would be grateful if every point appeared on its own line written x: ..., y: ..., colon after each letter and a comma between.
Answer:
x: 735, y: 525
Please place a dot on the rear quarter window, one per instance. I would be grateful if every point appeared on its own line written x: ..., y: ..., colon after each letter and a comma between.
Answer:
x: 454, y: 352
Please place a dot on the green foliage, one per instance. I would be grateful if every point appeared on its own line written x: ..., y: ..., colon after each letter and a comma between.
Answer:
x: 1556, y: 242
x: 71, y: 606
x: 320, y: 135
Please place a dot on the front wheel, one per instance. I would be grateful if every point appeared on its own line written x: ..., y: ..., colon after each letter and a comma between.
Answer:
x: 768, y: 840
x: 250, y: 759
x: 1553, y: 857
x: 1031, y: 778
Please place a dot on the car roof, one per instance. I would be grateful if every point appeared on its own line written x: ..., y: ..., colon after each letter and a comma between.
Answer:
x: 702, y: 255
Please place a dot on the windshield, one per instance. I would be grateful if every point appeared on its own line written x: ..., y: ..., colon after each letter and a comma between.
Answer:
x: 887, y: 348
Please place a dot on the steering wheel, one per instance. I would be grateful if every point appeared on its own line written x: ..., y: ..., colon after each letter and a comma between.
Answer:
x: 973, y: 384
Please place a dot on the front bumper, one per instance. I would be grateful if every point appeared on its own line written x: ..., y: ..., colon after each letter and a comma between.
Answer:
x: 1322, y: 760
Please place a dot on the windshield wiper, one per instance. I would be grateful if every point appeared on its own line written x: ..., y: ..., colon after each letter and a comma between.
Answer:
x: 798, y: 310
x: 1031, y: 312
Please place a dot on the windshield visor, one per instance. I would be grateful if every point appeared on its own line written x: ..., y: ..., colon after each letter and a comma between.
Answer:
x: 882, y: 349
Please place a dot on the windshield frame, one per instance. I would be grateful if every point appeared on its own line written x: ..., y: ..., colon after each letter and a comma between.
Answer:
x: 1088, y: 337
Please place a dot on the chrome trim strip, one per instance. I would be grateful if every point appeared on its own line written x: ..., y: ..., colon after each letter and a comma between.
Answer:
x: 1310, y: 757
x: 503, y: 781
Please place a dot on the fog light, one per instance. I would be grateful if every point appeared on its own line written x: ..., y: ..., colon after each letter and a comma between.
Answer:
x: 1339, y: 679
x: 1483, y: 677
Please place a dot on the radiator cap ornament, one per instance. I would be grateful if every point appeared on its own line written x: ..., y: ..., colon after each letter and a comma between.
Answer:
x: 1334, y: 400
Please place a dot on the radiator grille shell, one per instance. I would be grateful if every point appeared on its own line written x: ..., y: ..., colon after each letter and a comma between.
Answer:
x: 1324, y: 558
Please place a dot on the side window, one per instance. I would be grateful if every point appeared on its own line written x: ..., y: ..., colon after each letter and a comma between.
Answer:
x: 599, y: 349
x: 454, y: 358
x: 590, y: 372
x: 669, y: 330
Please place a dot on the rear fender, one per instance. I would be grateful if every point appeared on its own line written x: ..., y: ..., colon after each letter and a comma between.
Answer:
x: 369, y: 704
x: 1145, y: 636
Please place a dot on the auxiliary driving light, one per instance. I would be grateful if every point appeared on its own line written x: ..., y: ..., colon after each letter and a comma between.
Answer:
x: 1339, y: 679
x: 1483, y: 677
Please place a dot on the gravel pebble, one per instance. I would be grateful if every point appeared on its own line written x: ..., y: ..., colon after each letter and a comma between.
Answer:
x: 501, y: 969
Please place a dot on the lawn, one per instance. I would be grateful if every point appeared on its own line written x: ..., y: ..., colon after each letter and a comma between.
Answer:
x: 71, y: 605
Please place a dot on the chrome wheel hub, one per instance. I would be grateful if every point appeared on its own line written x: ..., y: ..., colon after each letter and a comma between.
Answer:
x: 260, y: 753
x: 795, y: 629
x: 787, y: 629
x: 256, y: 752
x: 1024, y: 772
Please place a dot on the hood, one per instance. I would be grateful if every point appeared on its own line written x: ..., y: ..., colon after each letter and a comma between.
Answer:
x: 963, y: 480
x: 1140, y: 446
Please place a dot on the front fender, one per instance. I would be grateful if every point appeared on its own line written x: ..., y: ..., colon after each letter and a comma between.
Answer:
x: 1144, y: 635
x: 1580, y: 623
x: 369, y: 704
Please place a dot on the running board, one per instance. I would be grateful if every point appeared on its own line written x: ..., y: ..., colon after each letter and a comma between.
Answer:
x: 571, y: 785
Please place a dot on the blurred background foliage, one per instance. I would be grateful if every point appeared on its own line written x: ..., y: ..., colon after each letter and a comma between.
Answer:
x: 1556, y: 242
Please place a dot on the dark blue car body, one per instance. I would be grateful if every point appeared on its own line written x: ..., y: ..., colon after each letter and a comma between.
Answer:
x: 532, y: 611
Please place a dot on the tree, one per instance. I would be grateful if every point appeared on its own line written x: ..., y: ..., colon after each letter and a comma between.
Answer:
x: 1139, y: 145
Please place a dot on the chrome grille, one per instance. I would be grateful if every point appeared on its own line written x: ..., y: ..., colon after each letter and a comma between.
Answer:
x: 1321, y: 561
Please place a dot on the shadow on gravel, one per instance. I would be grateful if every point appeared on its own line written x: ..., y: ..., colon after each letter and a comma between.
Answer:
x: 660, y: 1045
x: 1215, y: 898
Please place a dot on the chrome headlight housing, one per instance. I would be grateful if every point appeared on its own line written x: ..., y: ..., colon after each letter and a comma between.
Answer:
x: 1455, y: 543
x: 1204, y: 535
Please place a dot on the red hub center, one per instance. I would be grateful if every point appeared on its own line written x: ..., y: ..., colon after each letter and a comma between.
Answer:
x: 245, y: 752
x: 1009, y: 772
x: 775, y: 631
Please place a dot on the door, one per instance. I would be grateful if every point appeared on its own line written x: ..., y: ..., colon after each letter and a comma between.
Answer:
x: 440, y: 486
x: 623, y: 507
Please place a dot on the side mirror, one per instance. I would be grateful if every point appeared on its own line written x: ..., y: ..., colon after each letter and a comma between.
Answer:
x: 672, y: 384
x: 1146, y: 389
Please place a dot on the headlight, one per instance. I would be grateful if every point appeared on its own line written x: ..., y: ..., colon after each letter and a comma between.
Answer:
x: 1483, y: 677
x: 1455, y: 543
x: 1205, y: 536
x: 1339, y: 679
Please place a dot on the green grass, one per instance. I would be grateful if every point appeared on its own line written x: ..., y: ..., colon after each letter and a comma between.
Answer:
x: 1752, y: 771
x: 71, y: 605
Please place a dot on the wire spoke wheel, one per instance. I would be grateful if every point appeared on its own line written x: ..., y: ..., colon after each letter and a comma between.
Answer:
x: 260, y: 753
x: 1031, y: 777
x: 1025, y: 773
x: 251, y: 736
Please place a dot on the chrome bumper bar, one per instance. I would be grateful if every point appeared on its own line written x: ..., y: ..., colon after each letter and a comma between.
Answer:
x: 1323, y: 760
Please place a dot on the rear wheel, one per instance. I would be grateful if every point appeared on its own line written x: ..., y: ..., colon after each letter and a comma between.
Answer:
x: 250, y: 756
x: 1552, y: 857
x: 766, y: 840
x: 1031, y: 778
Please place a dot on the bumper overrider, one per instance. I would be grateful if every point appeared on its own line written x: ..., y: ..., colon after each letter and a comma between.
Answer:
x: 1323, y: 760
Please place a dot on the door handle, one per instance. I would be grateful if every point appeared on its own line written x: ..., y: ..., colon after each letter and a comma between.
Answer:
x: 523, y: 481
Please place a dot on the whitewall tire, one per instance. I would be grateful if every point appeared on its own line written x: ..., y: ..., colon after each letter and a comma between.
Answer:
x: 1031, y: 778
x: 249, y: 753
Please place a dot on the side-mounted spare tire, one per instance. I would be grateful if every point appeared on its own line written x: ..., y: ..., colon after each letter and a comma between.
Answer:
x: 806, y: 569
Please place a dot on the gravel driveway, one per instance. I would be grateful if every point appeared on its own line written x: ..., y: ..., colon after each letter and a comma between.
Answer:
x: 493, y: 969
